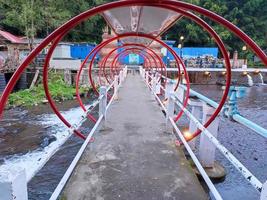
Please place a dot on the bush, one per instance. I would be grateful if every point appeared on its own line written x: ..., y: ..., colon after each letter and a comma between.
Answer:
x: 58, y: 89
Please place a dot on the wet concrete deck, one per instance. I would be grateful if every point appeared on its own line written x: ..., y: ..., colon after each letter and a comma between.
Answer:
x: 133, y: 157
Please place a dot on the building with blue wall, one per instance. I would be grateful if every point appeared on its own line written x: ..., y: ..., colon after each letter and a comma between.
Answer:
x: 131, y: 59
x: 189, y: 52
x: 80, y: 51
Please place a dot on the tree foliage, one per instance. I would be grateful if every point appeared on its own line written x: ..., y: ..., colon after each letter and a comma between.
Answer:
x: 249, y: 15
x: 38, y: 18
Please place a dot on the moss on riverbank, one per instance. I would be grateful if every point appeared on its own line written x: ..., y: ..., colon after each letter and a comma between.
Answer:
x: 59, y: 91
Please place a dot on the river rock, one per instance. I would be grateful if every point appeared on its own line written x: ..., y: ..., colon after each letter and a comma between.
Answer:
x: 3, y: 131
x: 47, y: 140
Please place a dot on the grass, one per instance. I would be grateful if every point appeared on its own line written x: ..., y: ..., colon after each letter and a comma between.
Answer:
x: 59, y: 91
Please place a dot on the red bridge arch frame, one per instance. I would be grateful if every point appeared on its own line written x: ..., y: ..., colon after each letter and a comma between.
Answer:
x: 164, y: 3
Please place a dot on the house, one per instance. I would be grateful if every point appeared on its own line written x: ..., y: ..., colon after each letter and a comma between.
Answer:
x: 13, y: 49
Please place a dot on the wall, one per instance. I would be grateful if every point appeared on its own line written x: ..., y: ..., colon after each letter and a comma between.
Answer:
x: 217, y: 78
x: 62, y: 51
x: 80, y: 51
x: 65, y: 64
x: 2, y: 82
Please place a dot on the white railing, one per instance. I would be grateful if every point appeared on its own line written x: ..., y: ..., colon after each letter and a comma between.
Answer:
x: 13, y: 184
x: 176, y: 99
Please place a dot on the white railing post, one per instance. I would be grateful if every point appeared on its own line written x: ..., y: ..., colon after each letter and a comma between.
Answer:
x: 264, y: 191
x: 158, y: 83
x: 103, y: 101
x: 197, y: 107
x: 121, y: 77
x: 169, y: 88
x: 116, y: 87
x: 144, y: 73
x: 153, y: 83
x: 180, y: 94
x: 67, y: 77
x: 146, y: 77
x: 170, y: 112
x: 207, y: 148
x: 125, y: 69
x: 13, y: 184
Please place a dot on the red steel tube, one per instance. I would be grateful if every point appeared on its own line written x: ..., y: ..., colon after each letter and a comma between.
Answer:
x: 93, y: 11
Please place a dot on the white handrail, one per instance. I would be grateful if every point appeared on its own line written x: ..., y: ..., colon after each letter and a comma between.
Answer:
x: 70, y: 169
x: 238, y: 165
x: 209, y: 183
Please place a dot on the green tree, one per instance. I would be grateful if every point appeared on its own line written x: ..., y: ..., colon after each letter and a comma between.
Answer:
x: 249, y: 15
x: 40, y: 17
x: 32, y: 17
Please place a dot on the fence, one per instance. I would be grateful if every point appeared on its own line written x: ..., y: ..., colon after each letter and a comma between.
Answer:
x: 208, y: 140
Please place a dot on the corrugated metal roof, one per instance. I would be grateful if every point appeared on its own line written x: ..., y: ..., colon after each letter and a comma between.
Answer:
x: 10, y: 37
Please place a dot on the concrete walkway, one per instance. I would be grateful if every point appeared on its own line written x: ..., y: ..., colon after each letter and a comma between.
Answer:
x: 133, y: 158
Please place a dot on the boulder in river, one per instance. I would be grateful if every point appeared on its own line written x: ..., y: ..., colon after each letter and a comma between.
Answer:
x: 47, y: 140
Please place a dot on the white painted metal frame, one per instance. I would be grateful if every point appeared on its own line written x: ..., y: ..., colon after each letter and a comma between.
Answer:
x: 103, y: 107
x: 193, y: 156
x: 19, y: 177
x: 238, y: 165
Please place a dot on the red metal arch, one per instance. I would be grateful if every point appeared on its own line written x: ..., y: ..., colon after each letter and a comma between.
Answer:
x: 179, y: 76
x: 102, y: 8
x: 135, y: 48
x: 138, y: 45
x: 112, y: 65
x: 74, y: 21
x: 151, y: 52
x: 181, y: 112
x: 127, y: 51
x: 177, y: 58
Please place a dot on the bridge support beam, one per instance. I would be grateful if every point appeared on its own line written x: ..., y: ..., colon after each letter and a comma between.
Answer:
x: 13, y: 184
x: 197, y: 107
x: 207, y: 148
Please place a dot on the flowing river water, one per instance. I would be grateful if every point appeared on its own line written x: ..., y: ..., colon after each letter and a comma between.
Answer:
x: 27, y: 135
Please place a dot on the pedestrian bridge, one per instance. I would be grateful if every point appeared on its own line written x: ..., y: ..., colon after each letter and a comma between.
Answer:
x: 136, y: 149
x: 133, y: 156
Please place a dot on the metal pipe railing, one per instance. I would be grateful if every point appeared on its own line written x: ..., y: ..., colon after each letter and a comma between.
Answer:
x: 73, y: 164
x: 238, y: 165
x: 26, y: 177
x: 251, y: 125
x: 203, y: 173
x: 236, y: 117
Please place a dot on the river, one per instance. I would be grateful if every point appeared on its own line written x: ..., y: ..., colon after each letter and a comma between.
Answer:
x: 27, y: 135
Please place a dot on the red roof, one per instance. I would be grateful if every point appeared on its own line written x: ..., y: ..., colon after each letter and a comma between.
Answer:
x: 10, y: 37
